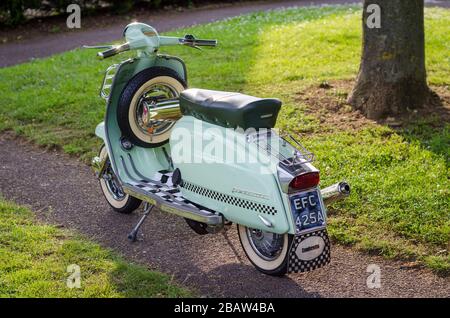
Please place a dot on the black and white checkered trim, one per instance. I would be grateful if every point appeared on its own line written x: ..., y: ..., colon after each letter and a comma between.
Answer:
x: 246, y: 204
x: 162, y: 186
x: 297, y: 265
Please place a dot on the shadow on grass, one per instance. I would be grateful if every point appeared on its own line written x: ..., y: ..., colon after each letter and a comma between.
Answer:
x: 430, y: 126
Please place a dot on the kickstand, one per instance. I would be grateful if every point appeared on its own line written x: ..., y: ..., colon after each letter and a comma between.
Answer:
x: 133, y: 234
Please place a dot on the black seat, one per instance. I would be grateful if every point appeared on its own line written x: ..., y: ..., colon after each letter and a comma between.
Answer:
x: 230, y: 110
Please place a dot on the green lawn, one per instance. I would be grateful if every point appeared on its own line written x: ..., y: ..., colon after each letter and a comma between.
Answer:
x: 400, y: 201
x: 34, y: 259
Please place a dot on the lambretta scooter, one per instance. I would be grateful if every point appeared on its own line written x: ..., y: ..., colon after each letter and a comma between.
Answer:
x: 211, y: 157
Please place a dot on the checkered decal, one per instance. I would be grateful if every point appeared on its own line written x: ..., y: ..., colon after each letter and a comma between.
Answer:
x: 249, y: 205
x: 297, y: 265
x: 162, y: 186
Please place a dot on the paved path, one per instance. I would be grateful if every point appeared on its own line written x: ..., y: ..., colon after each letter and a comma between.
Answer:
x: 42, y: 46
x: 63, y: 191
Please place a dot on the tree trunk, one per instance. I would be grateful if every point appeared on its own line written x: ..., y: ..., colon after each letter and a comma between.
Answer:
x: 392, y: 75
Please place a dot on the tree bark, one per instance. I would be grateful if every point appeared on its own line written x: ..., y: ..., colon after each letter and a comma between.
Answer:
x: 392, y: 75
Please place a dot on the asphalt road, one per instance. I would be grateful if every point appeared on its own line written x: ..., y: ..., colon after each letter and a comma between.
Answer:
x: 12, y: 53
x: 41, y: 46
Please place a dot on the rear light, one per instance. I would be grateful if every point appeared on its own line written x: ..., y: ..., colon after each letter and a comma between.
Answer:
x: 305, y: 181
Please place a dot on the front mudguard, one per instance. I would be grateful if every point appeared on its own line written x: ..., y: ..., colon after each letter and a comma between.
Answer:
x: 98, y: 162
x: 100, y: 131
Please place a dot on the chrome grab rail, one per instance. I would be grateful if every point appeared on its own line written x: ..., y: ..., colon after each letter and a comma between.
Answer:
x: 108, y: 79
x: 300, y: 155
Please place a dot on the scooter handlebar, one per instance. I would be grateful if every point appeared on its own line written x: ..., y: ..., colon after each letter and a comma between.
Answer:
x: 113, y: 51
x: 199, y: 42
x: 188, y: 40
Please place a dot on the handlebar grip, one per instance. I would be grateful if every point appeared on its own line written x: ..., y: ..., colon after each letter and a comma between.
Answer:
x: 190, y: 40
x: 113, y: 51
x: 107, y: 53
x: 198, y: 42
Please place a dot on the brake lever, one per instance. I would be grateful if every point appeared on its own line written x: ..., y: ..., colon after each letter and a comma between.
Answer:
x: 189, y: 40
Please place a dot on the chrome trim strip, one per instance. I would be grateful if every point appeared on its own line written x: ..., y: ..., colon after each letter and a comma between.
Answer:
x: 265, y: 221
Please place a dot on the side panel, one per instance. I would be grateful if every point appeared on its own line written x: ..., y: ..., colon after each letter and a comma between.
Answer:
x: 241, y: 189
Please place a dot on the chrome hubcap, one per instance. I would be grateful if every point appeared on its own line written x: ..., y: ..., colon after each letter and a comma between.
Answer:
x: 148, y: 121
x: 267, y: 245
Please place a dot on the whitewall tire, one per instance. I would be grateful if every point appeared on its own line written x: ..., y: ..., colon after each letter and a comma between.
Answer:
x: 272, y: 262
x: 112, y: 190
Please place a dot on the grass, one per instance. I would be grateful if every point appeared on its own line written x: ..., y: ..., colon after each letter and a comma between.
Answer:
x: 34, y: 258
x: 399, y: 207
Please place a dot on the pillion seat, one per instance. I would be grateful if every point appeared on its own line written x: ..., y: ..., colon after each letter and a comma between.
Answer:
x: 230, y: 110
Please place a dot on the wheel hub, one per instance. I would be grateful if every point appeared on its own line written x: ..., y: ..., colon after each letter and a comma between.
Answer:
x: 113, y: 185
x: 266, y: 244
x: 147, y: 118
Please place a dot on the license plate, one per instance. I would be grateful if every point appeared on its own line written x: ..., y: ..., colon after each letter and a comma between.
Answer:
x: 307, y: 210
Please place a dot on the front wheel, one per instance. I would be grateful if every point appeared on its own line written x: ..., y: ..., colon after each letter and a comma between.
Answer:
x: 267, y: 251
x: 113, y: 191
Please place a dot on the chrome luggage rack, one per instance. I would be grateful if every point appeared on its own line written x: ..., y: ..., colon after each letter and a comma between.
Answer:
x: 105, y: 90
x: 298, y: 156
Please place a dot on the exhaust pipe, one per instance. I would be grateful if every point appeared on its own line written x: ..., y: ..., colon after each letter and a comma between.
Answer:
x: 335, y: 192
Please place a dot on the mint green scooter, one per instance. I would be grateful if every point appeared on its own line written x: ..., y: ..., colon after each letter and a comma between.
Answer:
x: 211, y: 157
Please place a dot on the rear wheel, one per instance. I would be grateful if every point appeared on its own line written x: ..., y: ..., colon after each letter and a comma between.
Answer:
x: 112, y: 189
x: 267, y: 251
